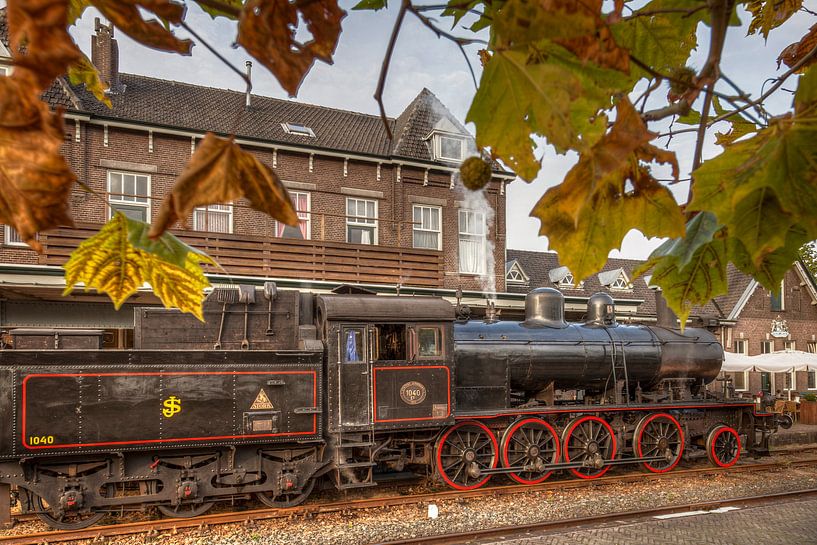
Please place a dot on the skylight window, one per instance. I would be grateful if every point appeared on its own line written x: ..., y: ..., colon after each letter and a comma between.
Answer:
x: 298, y: 129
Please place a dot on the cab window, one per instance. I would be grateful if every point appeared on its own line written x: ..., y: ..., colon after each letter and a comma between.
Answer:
x: 390, y: 342
x: 429, y: 341
x: 352, y: 345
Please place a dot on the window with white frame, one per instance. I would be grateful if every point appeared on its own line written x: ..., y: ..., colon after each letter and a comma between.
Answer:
x: 215, y: 218
x: 302, y: 202
x: 789, y: 345
x: 811, y: 380
x: 620, y: 283
x: 766, y: 347
x: 12, y: 238
x: 427, y: 227
x: 789, y: 381
x: 811, y: 347
x: 449, y: 148
x: 4, y: 71
x: 361, y: 221
x: 472, y: 245
x: 740, y: 381
x: 516, y: 275
x: 129, y: 193
x: 298, y: 129
x: 741, y: 346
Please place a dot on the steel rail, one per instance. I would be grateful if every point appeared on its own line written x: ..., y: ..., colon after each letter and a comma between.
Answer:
x: 245, y: 517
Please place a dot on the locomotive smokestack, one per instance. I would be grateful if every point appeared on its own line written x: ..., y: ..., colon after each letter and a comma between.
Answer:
x: 601, y: 309
x: 545, y: 307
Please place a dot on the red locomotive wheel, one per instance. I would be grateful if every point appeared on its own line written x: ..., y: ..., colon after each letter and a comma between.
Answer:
x: 659, y: 434
x: 723, y: 446
x: 463, y: 452
x: 591, y: 440
x: 533, y: 443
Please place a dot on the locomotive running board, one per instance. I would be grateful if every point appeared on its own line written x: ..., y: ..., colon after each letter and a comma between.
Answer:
x: 572, y: 465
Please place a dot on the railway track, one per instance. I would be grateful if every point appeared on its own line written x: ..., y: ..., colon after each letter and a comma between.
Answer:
x: 245, y: 517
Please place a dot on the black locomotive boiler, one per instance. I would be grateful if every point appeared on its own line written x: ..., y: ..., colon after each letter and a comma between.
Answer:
x: 280, y: 390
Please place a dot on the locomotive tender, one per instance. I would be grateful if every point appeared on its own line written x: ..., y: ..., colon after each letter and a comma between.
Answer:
x: 279, y: 390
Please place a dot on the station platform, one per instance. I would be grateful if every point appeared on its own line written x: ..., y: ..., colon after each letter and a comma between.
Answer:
x: 798, y: 434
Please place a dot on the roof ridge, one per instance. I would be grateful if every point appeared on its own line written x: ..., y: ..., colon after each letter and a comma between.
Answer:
x: 265, y: 97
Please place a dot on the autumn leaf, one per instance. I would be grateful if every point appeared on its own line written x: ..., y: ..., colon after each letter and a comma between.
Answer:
x: 774, y: 265
x: 690, y: 271
x: 523, y: 22
x: 40, y: 44
x: 795, y: 52
x: 120, y: 258
x: 770, y: 14
x: 127, y: 16
x: 35, y: 178
x: 83, y: 71
x: 550, y: 93
x: 739, y: 125
x: 75, y: 10
x: 267, y: 31
x: 373, y: 5
x: 220, y: 172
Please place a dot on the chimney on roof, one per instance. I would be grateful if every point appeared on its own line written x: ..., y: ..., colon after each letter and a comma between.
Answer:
x: 248, y: 101
x: 105, y: 56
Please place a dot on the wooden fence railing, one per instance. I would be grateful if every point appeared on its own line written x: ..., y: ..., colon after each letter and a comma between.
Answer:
x: 285, y: 258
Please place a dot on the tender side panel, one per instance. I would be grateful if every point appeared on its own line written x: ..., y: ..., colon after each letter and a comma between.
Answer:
x: 143, y: 407
x: 6, y: 411
x: 411, y: 393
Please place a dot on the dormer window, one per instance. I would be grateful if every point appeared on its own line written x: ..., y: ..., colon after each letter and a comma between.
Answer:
x: 449, y: 148
x: 514, y: 273
x: 298, y: 130
x: 615, y: 280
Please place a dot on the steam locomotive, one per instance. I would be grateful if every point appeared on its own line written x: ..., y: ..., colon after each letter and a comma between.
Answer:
x: 280, y: 390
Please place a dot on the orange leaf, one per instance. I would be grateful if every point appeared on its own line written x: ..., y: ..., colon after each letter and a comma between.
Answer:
x: 267, y: 30
x: 126, y: 16
x: 599, y: 47
x: 794, y: 53
x: 39, y: 39
x: 220, y: 172
x: 35, y: 178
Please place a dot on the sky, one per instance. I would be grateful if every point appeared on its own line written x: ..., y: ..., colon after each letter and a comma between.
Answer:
x: 422, y: 60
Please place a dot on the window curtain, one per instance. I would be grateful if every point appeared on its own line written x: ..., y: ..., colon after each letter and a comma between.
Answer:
x: 472, y: 255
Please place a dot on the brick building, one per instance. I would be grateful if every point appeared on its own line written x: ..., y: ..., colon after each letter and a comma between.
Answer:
x: 386, y: 214
x: 749, y: 319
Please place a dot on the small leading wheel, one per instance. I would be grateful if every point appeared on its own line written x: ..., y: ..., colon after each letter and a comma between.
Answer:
x: 656, y: 435
x: 723, y: 446
x: 185, y: 510
x: 532, y: 443
x: 590, y: 440
x: 463, y: 452
x: 286, y: 499
x: 71, y: 520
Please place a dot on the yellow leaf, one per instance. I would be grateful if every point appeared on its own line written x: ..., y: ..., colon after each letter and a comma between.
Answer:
x: 220, y: 172
x: 127, y: 16
x: 84, y: 71
x: 110, y: 263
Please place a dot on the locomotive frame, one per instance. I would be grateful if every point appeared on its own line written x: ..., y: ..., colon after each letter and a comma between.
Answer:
x: 332, y: 388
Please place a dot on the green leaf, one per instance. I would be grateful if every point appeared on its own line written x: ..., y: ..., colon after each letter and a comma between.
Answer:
x: 522, y: 22
x: 76, y: 9
x: 805, y: 99
x: 371, y: 5
x: 84, y: 71
x: 110, y: 263
x: 215, y: 11
x: 691, y: 270
x: 550, y: 93
x: 739, y: 125
x: 690, y: 118
x: 662, y: 41
x: 772, y: 268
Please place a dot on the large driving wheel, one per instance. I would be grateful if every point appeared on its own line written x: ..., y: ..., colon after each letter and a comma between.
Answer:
x: 286, y: 499
x: 70, y: 520
x: 590, y: 440
x: 723, y: 446
x: 185, y: 510
x: 463, y: 452
x: 659, y: 435
x: 532, y: 443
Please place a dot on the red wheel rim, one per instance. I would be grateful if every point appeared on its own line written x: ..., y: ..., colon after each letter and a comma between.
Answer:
x: 441, y: 469
x: 717, y: 459
x: 639, y: 450
x: 566, y: 446
x: 507, y: 443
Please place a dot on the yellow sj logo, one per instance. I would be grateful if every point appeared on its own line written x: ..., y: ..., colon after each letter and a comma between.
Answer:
x: 172, y: 406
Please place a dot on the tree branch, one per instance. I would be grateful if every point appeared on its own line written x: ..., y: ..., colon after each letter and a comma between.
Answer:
x: 384, y: 68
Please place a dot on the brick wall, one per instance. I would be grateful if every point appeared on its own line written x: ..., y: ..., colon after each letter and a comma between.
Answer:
x: 91, y: 159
